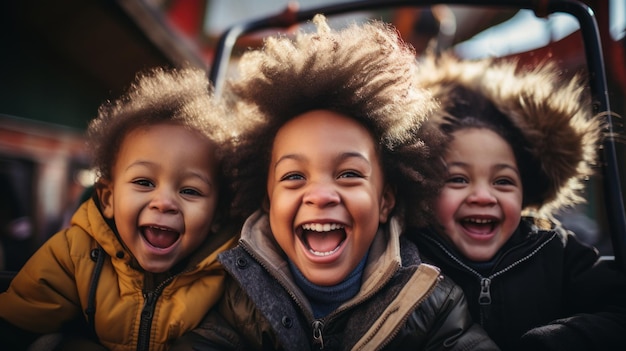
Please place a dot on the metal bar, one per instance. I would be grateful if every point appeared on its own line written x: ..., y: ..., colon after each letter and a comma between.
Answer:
x: 613, y: 195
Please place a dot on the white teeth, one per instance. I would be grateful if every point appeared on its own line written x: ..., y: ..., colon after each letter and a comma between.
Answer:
x: 478, y: 221
x: 317, y: 253
x: 319, y: 227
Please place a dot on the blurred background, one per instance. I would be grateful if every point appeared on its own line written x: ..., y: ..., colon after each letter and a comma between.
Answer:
x: 61, y: 59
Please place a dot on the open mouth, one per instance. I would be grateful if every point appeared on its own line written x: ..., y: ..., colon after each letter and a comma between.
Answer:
x: 322, y: 239
x: 479, y: 225
x: 160, y: 237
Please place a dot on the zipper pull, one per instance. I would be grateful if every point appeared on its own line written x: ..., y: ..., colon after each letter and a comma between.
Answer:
x: 317, y: 333
x: 485, y: 294
x: 148, y: 305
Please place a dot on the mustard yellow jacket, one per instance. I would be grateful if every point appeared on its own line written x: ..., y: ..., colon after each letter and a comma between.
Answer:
x: 53, y: 287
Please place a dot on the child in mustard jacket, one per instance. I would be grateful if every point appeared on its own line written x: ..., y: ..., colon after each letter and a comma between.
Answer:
x: 138, y: 265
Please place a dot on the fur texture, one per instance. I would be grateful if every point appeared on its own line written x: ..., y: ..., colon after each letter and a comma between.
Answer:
x: 554, y: 116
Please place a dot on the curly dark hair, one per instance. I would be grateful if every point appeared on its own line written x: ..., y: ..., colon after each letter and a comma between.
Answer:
x: 473, y: 110
x: 363, y: 71
x: 176, y: 96
x: 545, y: 114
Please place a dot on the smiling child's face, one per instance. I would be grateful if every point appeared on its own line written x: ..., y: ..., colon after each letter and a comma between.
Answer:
x: 480, y: 204
x: 163, y: 194
x: 327, y: 194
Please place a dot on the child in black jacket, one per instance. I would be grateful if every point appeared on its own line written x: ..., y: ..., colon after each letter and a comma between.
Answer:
x: 521, y: 141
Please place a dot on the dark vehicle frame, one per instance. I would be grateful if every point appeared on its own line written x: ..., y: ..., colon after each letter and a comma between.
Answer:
x: 611, y: 184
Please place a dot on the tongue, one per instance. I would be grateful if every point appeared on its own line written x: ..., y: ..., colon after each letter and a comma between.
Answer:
x: 324, y: 242
x: 160, y: 238
x: 476, y: 228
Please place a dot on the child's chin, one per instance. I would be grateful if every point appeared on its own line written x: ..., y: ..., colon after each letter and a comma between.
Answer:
x: 156, y: 265
x: 325, y: 280
x: 157, y: 269
x: 327, y: 277
x: 480, y: 256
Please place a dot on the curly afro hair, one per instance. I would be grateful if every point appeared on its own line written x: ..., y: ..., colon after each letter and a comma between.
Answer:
x: 363, y: 71
x: 174, y: 96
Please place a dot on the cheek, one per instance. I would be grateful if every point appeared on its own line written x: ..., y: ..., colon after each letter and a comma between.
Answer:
x: 282, y: 210
x: 445, y: 206
x: 203, y: 213
x: 282, y: 232
x: 514, y: 204
x: 513, y: 211
x: 123, y: 206
x: 281, y: 222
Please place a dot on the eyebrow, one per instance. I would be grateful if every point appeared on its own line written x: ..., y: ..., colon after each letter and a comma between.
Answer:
x: 288, y: 157
x: 139, y: 163
x: 498, y: 166
x: 199, y: 176
x: 342, y: 156
x: 186, y: 173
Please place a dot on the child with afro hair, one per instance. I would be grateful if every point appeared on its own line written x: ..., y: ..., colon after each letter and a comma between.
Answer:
x: 325, y: 175
x: 137, y: 267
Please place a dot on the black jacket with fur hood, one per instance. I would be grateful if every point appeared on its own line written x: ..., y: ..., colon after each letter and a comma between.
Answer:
x: 544, y: 289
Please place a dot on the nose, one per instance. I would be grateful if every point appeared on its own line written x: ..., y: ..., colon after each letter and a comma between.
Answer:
x: 321, y: 194
x: 482, y: 195
x: 164, y: 200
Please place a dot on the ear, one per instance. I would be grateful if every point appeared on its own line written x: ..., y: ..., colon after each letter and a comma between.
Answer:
x: 387, y: 203
x: 104, y: 189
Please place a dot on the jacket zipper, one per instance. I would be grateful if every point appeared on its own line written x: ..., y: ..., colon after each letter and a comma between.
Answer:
x: 145, y: 324
x: 484, y: 298
x: 317, y: 324
x: 318, y: 338
x: 147, y: 313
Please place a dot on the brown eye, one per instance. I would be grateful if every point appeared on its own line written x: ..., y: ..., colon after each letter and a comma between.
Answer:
x: 192, y: 192
x: 350, y: 174
x: 503, y: 182
x: 143, y: 182
x: 292, y: 176
x: 456, y: 179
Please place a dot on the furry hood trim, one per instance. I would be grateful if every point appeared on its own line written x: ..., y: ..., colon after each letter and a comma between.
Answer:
x: 554, y: 115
